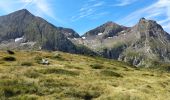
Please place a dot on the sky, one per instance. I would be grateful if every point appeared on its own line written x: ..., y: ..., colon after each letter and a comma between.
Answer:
x: 84, y: 15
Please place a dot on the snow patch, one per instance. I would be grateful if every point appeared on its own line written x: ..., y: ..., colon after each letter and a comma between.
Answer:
x: 122, y: 31
x: 100, y: 33
x: 19, y: 39
x: 110, y: 37
x: 83, y: 37
x: 69, y: 33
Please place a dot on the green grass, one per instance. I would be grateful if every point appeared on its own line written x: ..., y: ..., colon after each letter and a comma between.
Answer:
x: 26, y: 64
x: 78, y: 77
x: 110, y: 73
x: 58, y: 71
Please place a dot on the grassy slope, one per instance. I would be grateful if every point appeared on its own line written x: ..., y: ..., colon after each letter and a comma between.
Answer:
x: 74, y: 77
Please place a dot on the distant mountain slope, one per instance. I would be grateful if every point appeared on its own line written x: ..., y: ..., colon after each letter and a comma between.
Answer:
x: 142, y: 45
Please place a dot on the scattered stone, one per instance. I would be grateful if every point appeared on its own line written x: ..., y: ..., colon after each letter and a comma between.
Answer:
x: 45, y: 62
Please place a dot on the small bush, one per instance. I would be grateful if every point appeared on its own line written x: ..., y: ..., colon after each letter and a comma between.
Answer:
x: 26, y: 64
x: 110, y: 73
x: 9, y: 58
x: 96, y: 66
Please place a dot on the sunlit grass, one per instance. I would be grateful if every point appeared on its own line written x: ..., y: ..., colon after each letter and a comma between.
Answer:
x: 77, y: 77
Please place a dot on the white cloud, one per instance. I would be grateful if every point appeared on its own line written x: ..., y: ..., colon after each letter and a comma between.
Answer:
x: 89, y: 9
x: 157, y: 11
x: 124, y: 2
x: 27, y: 1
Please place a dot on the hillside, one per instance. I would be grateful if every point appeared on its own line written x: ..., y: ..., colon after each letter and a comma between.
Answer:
x: 77, y: 77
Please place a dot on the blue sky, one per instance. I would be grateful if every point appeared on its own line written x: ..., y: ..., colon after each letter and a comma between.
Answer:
x: 83, y: 15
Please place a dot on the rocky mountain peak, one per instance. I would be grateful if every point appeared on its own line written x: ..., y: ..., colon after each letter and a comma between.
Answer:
x: 22, y: 12
x: 150, y: 28
x: 110, y: 23
x: 108, y: 29
x: 148, y: 24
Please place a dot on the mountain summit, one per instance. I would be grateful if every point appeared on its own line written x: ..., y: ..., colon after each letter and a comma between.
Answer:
x: 109, y: 29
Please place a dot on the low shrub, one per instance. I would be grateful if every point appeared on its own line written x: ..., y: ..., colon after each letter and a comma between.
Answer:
x: 57, y: 56
x: 96, y: 66
x: 9, y: 58
x: 26, y: 64
x: 32, y: 74
x: 110, y: 73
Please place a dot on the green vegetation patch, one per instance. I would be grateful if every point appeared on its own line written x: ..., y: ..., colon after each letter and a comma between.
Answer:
x: 87, y: 92
x: 57, y: 56
x: 26, y: 64
x: 14, y: 87
x: 32, y: 74
x: 96, y: 66
x: 58, y: 71
x: 9, y: 58
x: 110, y: 73
x: 38, y: 59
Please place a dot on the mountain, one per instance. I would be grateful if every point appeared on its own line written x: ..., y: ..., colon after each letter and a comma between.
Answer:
x: 144, y: 44
x: 108, y: 29
x: 23, y: 30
